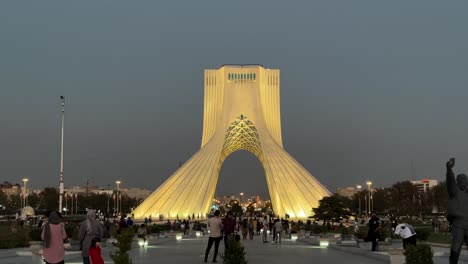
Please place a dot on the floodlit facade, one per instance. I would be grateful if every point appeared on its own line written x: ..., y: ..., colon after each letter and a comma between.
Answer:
x: 241, y: 112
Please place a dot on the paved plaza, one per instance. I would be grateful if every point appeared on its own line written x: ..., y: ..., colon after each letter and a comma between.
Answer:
x: 170, y: 250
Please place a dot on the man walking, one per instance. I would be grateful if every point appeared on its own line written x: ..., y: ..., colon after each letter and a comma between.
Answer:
x: 215, y: 225
x: 457, y: 213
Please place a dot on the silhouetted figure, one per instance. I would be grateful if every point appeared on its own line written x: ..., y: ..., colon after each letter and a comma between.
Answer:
x: 457, y: 213
x: 373, y: 234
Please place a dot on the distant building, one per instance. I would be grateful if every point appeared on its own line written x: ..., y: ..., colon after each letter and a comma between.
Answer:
x: 137, y: 193
x: 425, y: 184
x: 347, y: 191
x: 226, y: 199
x: 10, y: 189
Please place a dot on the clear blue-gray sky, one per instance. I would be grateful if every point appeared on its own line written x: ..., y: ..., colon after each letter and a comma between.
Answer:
x: 366, y: 87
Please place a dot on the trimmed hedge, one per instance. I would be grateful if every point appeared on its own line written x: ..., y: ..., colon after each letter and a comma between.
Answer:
x: 419, y: 254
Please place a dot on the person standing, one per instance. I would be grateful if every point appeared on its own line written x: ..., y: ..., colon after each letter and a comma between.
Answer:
x: 215, y: 225
x: 251, y: 229
x: 229, y: 226
x: 374, y: 226
x: 255, y: 224
x: 245, y: 228
x: 265, y: 229
x: 89, y: 229
x: 278, y: 227
x: 95, y: 252
x: 457, y: 211
x: 53, y: 234
x: 142, y: 232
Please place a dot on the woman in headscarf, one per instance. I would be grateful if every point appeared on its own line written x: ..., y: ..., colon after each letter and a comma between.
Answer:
x: 89, y: 229
x: 53, y: 234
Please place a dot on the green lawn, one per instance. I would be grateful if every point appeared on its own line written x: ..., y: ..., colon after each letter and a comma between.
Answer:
x: 442, y: 238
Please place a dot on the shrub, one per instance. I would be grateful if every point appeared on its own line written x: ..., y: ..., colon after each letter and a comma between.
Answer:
x: 154, y: 229
x: 10, y: 239
x: 235, y: 253
x: 362, y: 232
x: 318, y: 229
x: 124, y: 244
x: 384, y: 233
x: 35, y: 234
x: 345, y: 231
x: 419, y: 254
x: 422, y: 233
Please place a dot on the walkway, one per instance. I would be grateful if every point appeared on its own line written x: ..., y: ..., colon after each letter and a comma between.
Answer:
x: 169, y: 250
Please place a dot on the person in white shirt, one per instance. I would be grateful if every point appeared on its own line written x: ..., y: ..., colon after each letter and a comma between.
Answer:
x: 215, y: 225
x: 406, y: 232
x: 278, y: 227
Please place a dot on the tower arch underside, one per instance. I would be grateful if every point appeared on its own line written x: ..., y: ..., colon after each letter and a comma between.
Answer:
x: 230, y: 94
x: 190, y: 190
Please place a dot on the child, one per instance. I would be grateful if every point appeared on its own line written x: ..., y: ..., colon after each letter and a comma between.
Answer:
x: 95, y: 252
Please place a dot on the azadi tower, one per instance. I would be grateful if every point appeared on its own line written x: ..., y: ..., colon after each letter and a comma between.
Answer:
x: 241, y: 112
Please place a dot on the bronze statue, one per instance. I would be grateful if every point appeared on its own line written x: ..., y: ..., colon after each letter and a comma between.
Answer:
x: 457, y: 213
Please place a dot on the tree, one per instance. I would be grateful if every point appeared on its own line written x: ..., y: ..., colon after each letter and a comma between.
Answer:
x: 33, y: 200
x: 403, y: 199
x: 237, y: 209
x: 14, y: 203
x: 3, y: 202
x: 333, y: 209
x: 251, y: 209
x: 49, y: 198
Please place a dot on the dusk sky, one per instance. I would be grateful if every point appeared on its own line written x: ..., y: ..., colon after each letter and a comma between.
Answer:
x: 366, y: 87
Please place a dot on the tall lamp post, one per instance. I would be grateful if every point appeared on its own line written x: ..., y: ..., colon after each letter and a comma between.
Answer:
x: 118, y: 203
x: 241, y: 198
x: 108, y: 198
x: 61, y: 157
x: 369, y: 183
x: 25, y: 193
x: 359, y: 197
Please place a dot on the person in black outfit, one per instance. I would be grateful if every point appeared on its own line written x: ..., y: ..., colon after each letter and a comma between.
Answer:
x: 374, y: 226
x: 457, y: 212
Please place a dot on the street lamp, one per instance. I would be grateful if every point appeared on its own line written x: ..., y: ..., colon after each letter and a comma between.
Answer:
x: 369, y: 183
x: 241, y: 196
x: 61, y: 157
x: 108, y: 198
x: 118, y: 196
x: 23, y: 201
x: 359, y: 197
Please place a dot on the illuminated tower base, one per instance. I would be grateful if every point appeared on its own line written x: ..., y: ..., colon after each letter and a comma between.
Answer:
x: 241, y: 111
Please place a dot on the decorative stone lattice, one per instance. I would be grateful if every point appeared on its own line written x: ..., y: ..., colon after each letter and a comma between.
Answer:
x: 242, y: 134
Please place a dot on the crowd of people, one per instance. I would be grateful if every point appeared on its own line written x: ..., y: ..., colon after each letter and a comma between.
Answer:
x: 55, y: 238
x: 232, y: 226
